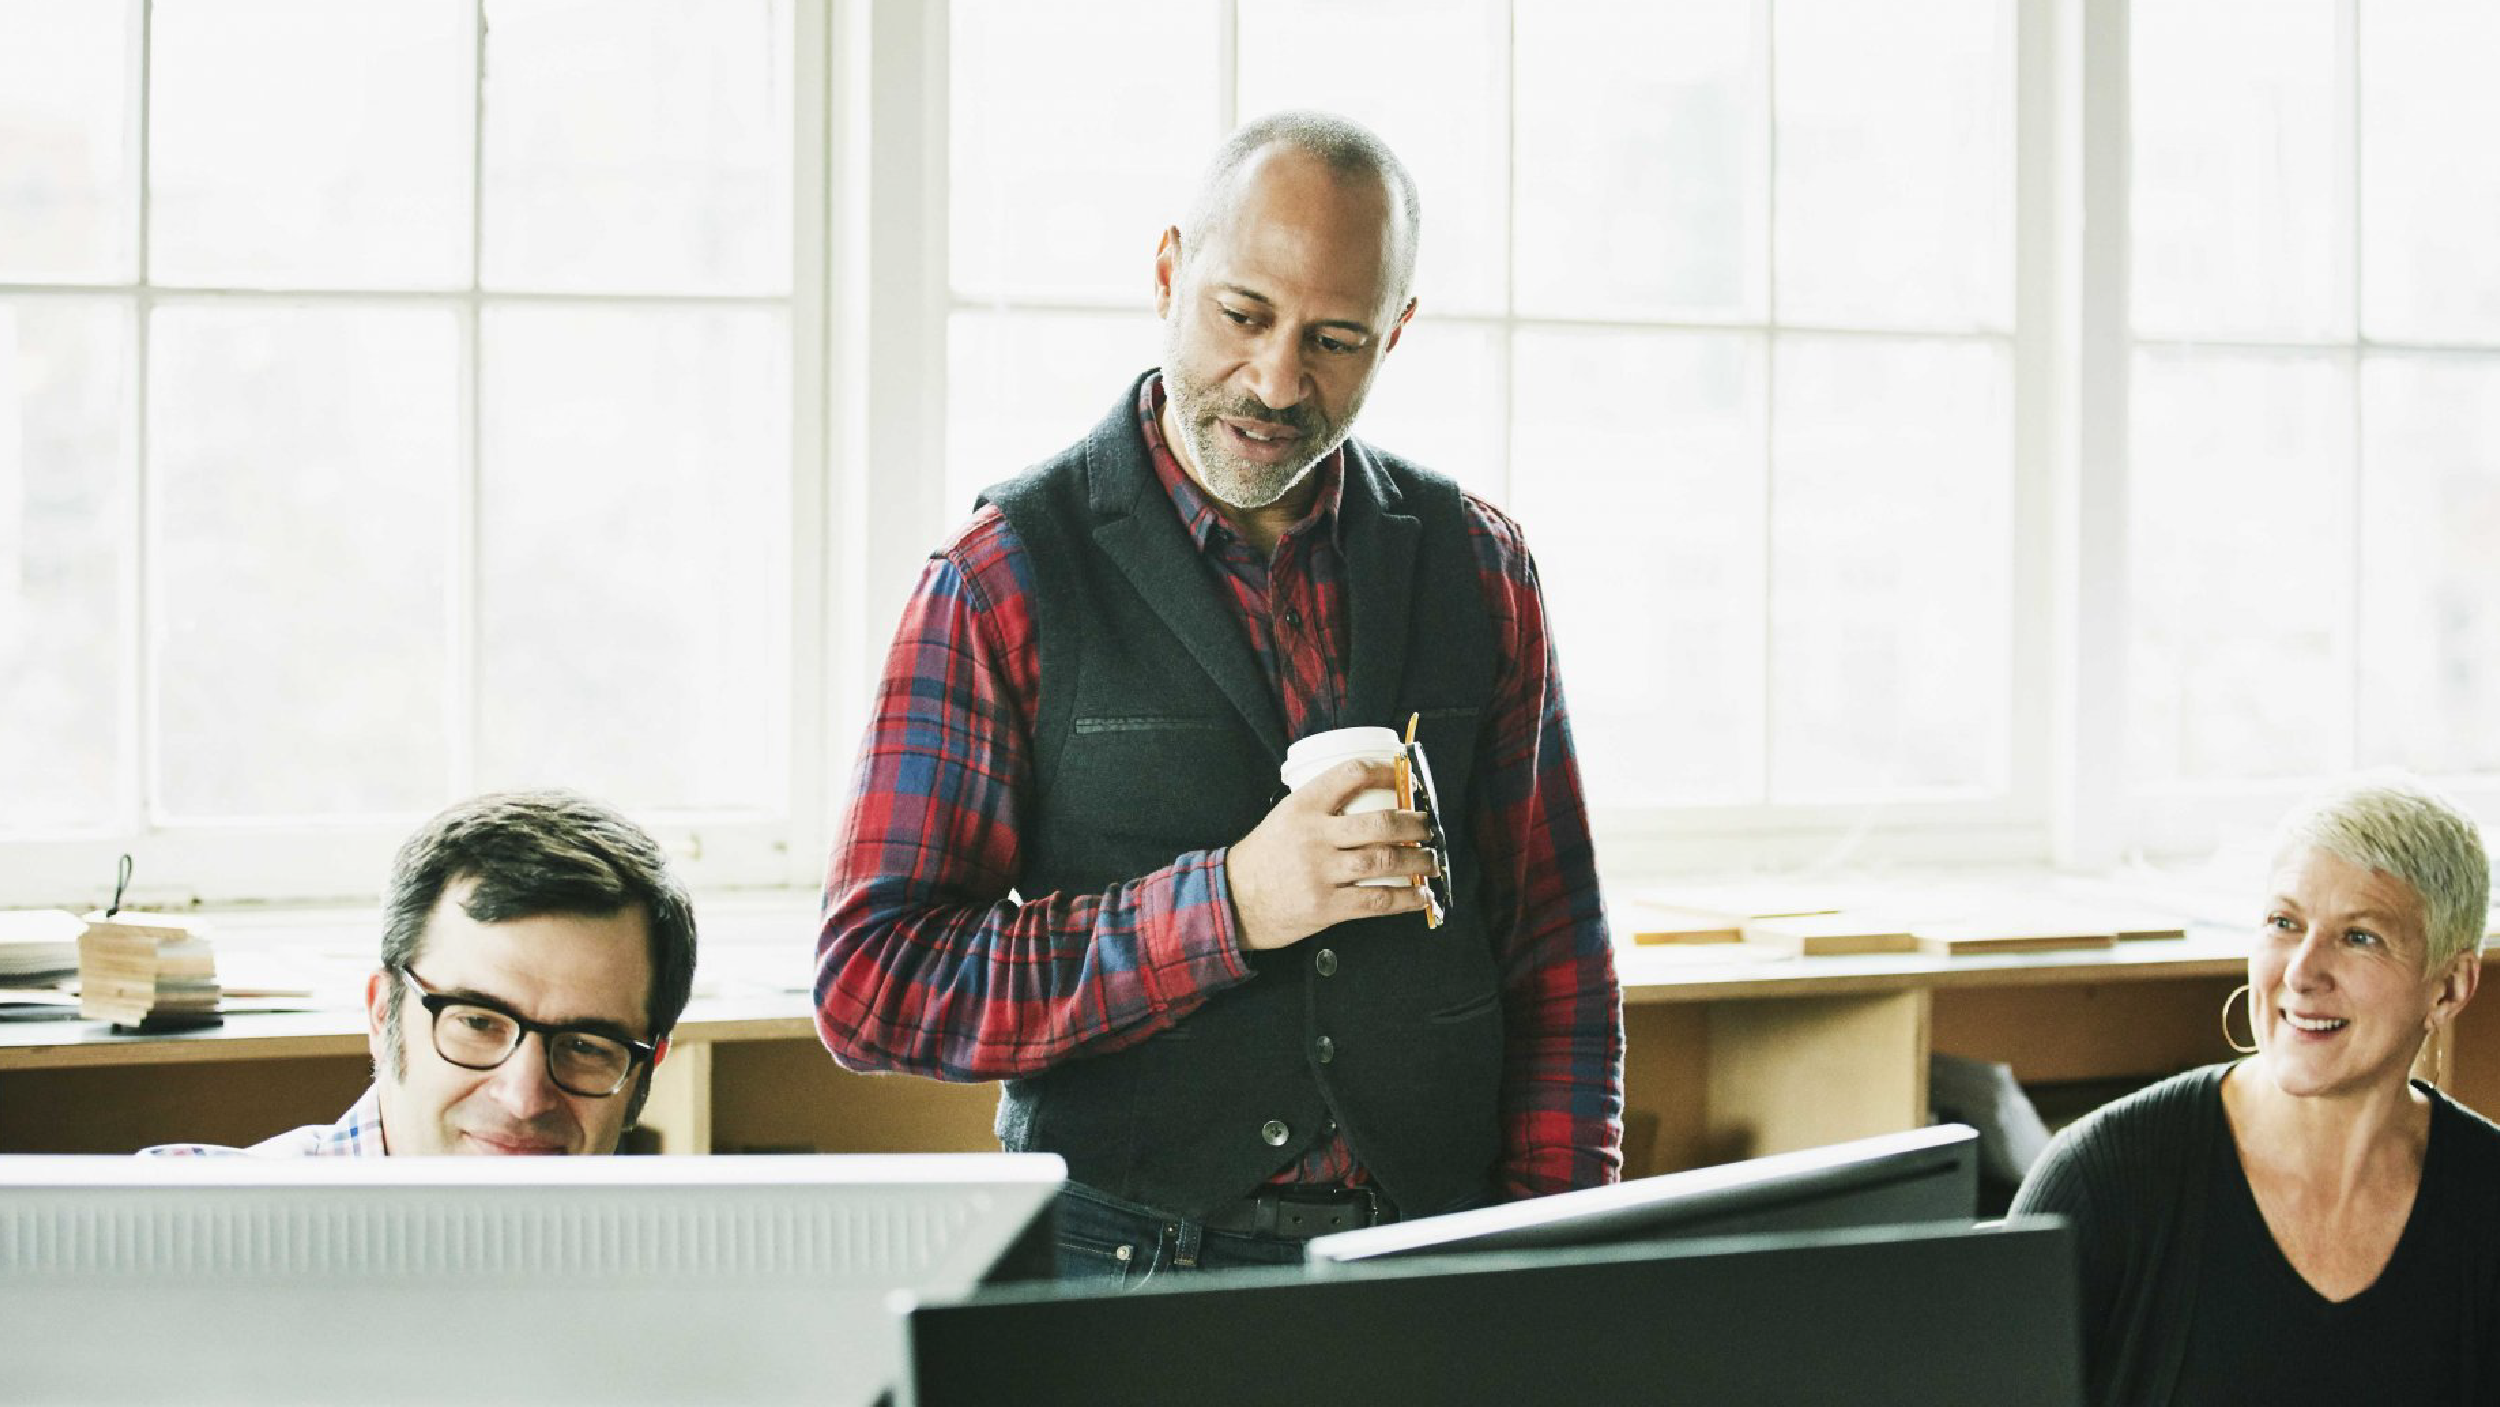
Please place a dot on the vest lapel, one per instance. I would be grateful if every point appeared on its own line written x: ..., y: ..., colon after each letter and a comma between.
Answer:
x: 1380, y: 573
x: 1142, y: 535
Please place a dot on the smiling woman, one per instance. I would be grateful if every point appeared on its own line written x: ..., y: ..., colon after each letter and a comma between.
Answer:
x: 2310, y: 1219
x: 2344, y: 984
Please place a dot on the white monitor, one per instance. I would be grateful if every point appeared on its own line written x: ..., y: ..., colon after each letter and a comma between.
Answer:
x: 1918, y: 1175
x: 607, y: 1280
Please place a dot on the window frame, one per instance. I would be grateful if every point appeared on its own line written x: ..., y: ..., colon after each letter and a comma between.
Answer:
x: 2196, y: 818
x: 313, y: 859
x: 870, y: 305
x: 2010, y: 826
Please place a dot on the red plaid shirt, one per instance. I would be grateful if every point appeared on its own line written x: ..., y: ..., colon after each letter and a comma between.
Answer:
x: 927, y: 964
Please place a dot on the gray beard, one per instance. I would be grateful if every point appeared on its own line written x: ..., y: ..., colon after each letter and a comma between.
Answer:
x: 1242, y: 486
x: 1231, y: 480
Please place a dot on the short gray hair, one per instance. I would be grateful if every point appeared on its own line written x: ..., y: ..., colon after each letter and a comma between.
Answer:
x: 2397, y: 826
x: 1348, y: 147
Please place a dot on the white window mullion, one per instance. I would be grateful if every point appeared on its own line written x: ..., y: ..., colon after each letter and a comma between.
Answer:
x: 1228, y: 65
x: 1509, y: 325
x: 135, y: 768
x: 2348, y: 26
x: 812, y: 793
x: 2349, y: 650
x: 2089, y: 789
x: 892, y: 505
x: 2041, y: 261
x: 1768, y: 684
x: 462, y: 699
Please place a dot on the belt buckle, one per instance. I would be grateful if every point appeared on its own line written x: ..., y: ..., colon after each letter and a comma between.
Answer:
x: 1300, y: 1214
x: 1368, y: 1198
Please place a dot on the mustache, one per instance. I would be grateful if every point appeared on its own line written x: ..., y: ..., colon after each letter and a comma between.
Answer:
x: 1304, y: 419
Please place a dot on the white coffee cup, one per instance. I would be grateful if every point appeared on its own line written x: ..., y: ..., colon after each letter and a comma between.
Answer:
x: 1317, y: 753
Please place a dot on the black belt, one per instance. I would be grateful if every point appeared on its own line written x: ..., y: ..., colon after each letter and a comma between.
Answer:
x: 1300, y: 1213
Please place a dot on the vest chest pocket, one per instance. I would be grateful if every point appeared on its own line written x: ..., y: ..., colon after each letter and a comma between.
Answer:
x: 1086, y: 727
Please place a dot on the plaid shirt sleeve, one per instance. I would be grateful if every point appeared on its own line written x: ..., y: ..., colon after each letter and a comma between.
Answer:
x: 357, y: 1134
x: 926, y: 962
x: 1562, y: 1006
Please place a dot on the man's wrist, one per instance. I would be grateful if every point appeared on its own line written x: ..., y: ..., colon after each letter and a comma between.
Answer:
x: 1190, y: 934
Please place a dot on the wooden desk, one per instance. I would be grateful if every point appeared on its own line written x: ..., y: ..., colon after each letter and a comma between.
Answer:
x: 742, y: 1074
x: 1726, y: 1058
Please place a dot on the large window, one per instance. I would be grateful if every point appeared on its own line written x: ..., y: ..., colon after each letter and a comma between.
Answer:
x: 396, y: 401
x: 1975, y: 429
x: 1717, y: 297
x: 2316, y: 396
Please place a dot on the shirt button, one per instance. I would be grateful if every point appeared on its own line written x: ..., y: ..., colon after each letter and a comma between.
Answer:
x: 1293, y: 618
x: 1325, y: 1049
x: 1326, y: 961
x: 1275, y: 1132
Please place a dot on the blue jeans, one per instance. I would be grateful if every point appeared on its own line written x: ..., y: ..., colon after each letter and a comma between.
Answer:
x: 1105, y: 1239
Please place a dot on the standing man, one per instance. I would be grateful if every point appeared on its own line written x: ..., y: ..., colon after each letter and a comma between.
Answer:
x: 1066, y: 865
x: 536, y: 952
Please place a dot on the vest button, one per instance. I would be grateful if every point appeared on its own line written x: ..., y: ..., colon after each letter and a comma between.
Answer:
x: 1275, y: 1132
x: 1325, y: 1048
x: 1326, y: 961
x: 1293, y: 618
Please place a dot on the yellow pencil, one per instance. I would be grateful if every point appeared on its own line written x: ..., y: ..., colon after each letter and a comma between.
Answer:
x: 1406, y: 769
x: 1406, y: 802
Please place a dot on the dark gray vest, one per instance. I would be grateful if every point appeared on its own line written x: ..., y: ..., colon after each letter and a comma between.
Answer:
x: 1158, y: 734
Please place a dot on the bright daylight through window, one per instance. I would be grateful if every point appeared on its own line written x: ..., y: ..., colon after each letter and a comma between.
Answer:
x: 419, y: 396
x: 375, y: 432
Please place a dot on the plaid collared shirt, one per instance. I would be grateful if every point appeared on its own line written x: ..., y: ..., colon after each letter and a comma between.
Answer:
x: 920, y: 942
x: 357, y: 1134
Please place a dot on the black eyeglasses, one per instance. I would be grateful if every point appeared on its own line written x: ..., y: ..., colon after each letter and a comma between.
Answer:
x: 479, y: 1033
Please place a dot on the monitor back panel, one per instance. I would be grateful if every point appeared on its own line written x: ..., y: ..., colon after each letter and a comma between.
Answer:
x: 1925, y: 1316
x: 1919, y: 1175
x: 430, y: 1280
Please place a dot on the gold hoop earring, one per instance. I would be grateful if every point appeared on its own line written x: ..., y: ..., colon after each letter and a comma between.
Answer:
x: 2237, y: 993
x: 2439, y: 1058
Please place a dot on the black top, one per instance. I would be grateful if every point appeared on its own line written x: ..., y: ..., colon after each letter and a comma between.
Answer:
x: 1158, y: 734
x: 2186, y: 1297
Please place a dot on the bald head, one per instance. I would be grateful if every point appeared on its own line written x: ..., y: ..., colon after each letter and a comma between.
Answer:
x: 1349, y: 153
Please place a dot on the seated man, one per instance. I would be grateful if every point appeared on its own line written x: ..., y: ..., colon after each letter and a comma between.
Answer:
x: 526, y: 914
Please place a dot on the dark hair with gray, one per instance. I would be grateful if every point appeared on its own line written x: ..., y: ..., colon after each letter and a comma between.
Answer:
x: 1350, y: 149
x: 532, y: 854
x: 2402, y: 829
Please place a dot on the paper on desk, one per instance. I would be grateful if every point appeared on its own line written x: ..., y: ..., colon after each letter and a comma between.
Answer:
x: 38, y: 945
x: 38, y: 996
x: 37, y: 1004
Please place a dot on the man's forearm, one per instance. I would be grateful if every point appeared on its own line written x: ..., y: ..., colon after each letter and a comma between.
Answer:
x: 908, y: 982
x: 1562, y: 1095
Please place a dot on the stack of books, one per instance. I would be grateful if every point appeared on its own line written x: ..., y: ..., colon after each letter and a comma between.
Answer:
x: 136, y: 968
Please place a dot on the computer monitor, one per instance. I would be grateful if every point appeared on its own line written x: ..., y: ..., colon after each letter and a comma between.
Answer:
x: 609, y: 1280
x: 1918, y: 1316
x: 1929, y: 1174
